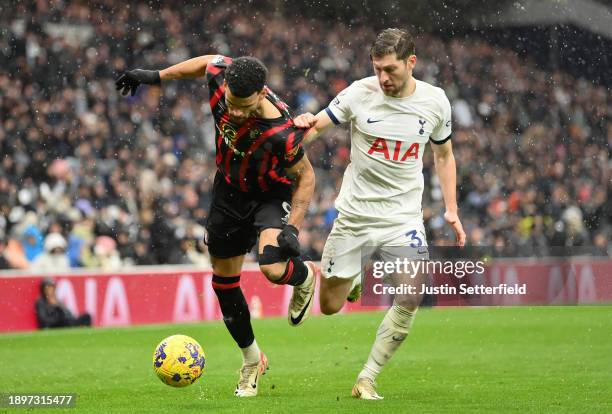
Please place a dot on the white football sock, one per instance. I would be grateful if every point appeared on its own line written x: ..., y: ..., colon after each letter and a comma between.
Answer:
x: 391, y: 333
x: 250, y: 354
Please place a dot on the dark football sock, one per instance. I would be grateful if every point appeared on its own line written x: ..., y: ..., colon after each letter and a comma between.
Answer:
x: 295, y: 273
x: 234, y: 308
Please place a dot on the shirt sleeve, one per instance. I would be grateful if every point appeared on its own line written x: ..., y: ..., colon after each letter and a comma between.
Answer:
x: 293, y: 150
x: 340, y: 110
x: 443, y: 130
x: 215, y: 72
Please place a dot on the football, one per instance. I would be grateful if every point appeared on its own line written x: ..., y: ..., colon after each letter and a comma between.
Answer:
x: 178, y: 360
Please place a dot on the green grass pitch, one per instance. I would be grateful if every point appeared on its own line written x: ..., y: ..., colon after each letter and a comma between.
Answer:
x: 542, y: 359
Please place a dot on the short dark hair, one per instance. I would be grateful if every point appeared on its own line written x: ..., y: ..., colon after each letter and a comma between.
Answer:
x: 398, y: 41
x: 245, y: 76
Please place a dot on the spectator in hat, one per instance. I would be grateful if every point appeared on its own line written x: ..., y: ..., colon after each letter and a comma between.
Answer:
x: 54, y: 258
x: 32, y: 242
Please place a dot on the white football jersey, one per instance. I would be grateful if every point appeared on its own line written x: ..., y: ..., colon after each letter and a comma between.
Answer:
x: 384, y: 181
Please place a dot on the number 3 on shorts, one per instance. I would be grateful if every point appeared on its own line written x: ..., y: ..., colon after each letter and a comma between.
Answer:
x: 415, y: 241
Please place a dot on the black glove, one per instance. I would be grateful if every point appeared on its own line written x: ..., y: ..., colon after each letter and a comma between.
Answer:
x: 130, y: 80
x: 288, y: 241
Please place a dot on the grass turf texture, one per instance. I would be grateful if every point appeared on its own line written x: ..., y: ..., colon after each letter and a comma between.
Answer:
x: 455, y: 360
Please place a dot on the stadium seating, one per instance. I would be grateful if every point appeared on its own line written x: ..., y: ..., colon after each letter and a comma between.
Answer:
x: 77, y: 159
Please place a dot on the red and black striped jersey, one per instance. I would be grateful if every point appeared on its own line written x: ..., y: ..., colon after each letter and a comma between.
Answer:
x: 253, y: 156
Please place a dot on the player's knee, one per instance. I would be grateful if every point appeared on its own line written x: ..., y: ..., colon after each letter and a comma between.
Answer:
x: 272, y: 262
x: 409, y: 302
x: 329, y: 306
x: 216, y: 264
x: 225, y: 266
x: 274, y: 271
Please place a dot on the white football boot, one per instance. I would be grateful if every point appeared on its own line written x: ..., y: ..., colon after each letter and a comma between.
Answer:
x: 365, y: 389
x: 303, y: 297
x: 249, y: 377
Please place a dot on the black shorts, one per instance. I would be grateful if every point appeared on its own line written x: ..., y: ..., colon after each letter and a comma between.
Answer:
x: 236, y: 218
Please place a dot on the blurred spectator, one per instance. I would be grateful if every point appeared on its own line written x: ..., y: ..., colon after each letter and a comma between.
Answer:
x: 51, y: 313
x: 32, y: 242
x: 54, y: 258
x: 15, y: 256
x: 106, y: 255
x: 602, y: 246
x: 142, y: 254
x: 4, y: 264
x: 80, y: 244
x: 190, y: 253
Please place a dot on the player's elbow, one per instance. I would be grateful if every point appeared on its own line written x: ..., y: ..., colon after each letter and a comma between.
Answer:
x: 305, y: 175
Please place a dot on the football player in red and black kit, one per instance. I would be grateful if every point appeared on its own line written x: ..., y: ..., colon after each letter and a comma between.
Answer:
x: 263, y: 186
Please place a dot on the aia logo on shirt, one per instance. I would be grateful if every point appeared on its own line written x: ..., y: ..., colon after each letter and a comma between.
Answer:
x: 395, y: 150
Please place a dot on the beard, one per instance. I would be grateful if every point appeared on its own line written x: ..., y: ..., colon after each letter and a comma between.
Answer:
x: 392, y: 89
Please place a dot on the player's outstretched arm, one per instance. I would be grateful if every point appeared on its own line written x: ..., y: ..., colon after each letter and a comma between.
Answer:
x: 316, y: 124
x: 444, y: 162
x: 189, y: 69
x: 129, y: 81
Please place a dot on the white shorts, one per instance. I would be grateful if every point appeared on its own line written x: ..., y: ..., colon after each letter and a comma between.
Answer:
x: 343, y: 249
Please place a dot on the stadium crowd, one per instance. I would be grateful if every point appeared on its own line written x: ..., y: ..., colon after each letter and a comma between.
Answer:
x: 89, y: 178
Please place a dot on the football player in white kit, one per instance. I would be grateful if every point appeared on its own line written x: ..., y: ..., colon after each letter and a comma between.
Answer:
x: 392, y: 117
